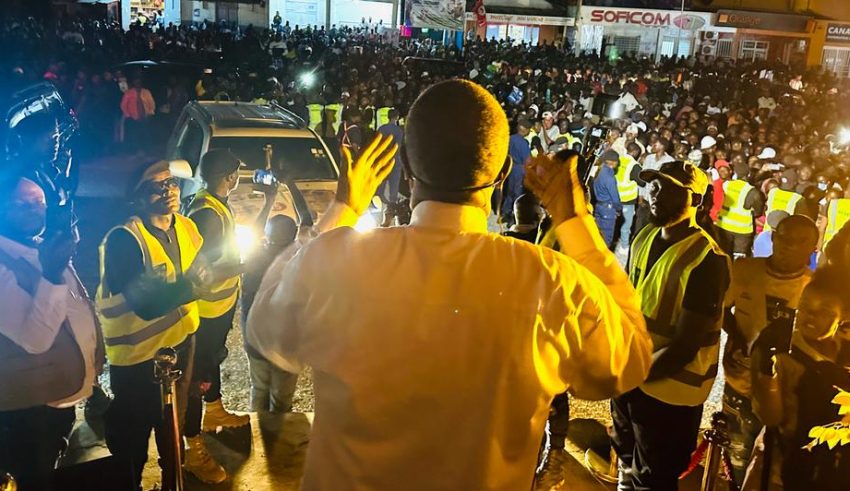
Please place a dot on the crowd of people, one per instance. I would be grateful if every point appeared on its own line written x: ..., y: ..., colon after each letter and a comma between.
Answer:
x: 689, y: 164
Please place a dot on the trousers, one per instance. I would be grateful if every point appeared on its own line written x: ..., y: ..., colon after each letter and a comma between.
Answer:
x: 136, y: 409
x: 654, y: 440
x: 744, y: 427
x: 31, y: 441
x: 210, y: 352
x: 626, y: 226
x: 272, y: 389
x: 606, y: 220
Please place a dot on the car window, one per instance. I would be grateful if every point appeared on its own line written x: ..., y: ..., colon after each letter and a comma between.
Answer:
x: 191, y: 143
x: 296, y: 158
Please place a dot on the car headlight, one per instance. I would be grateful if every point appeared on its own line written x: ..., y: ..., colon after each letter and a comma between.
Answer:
x: 246, y: 240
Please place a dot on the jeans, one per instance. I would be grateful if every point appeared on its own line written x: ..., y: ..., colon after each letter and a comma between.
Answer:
x: 626, y: 227
x: 654, y: 440
x: 606, y: 220
x: 210, y: 352
x: 31, y: 441
x: 272, y: 389
x: 744, y: 427
x: 137, y: 409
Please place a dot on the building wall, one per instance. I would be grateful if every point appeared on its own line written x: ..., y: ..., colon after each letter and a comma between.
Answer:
x: 254, y: 14
x: 205, y: 10
x: 833, y: 9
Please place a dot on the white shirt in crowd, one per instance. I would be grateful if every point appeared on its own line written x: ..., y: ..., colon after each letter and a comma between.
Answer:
x: 652, y: 162
x: 33, y: 322
x: 436, y: 348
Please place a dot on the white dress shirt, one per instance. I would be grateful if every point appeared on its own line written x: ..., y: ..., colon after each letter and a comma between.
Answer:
x: 437, y: 348
x: 33, y: 322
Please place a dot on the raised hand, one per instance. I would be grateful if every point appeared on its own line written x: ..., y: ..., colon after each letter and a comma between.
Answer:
x: 556, y: 184
x: 359, y: 179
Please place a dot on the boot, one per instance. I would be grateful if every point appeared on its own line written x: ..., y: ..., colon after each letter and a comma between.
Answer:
x: 215, y: 415
x: 200, y: 463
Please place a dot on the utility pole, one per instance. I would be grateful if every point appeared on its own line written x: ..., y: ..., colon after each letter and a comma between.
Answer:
x: 328, y: 15
x: 679, y: 32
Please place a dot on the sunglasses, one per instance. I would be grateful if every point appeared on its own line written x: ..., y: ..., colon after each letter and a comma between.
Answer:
x: 160, y: 187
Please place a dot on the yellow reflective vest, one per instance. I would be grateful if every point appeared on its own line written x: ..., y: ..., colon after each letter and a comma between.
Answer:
x: 779, y: 199
x: 128, y: 338
x: 627, y: 187
x: 733, y: 217
x: 222, y: 296
x: 315, y: 114
x: 662, y: 290
x: 837, y: 215
x: 337, y: 109
x: 382, y: 116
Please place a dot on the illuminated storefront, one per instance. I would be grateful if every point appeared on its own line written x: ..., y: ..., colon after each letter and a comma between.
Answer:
x: 531, y: 29
x: 830, y: 47
x: 768, y: 36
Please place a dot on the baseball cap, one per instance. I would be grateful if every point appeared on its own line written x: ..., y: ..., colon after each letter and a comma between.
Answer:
x: 707, y: 142
x: 548, y: 115
x: 767, y: 153
x: 721, y: 163
x: 218, y: 162
x: 146, y: 174
x: 534, y: 108
x: 641, y: 125
x: 681, y: 174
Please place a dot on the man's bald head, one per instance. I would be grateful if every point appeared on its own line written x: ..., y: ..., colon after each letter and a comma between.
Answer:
x: 456, y: 136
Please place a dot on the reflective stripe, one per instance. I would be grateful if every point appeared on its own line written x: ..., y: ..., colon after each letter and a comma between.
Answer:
x: 383, y: 116
x: 733, y: 216
x: 627, y: 188
x: 116, y: 310
x: 837, y: 215
x: 156, y: 327
x: 221, y: 294
x: 315, y: 114
x: 695, y: 379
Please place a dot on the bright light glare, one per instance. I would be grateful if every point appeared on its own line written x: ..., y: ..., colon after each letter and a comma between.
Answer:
x: 246, y: 240
x: 844, y: 136
x: 366, y: 223
x: 307, y: 79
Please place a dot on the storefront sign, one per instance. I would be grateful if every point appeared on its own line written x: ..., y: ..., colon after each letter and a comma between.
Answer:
x: 525, y: 20
x: 838, y: 33
x: 690, y: 21
x: 762, y: 20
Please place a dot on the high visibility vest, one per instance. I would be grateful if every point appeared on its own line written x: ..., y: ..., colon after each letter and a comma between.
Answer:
x: 315, y: 114
x: 337, y: 108
x: 625, y: 185
x: 662, y: 290
x: 382, y: 116
x: 128, y: 338
x: 529, y: 138
x: 837, y: 215
x: 779, y: 199
x: 222, y: 296
x: 733, y: 217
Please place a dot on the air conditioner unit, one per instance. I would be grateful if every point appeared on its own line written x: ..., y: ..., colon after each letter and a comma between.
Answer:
x: 709, y: 35
x: 708, y: 50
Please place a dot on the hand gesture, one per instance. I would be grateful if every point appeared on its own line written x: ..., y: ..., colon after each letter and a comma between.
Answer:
x: 359, y: 179
x: 54, y: 254
x: 557, y: 185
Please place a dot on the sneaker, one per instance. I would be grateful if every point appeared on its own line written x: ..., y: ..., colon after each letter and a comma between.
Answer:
x: 551, y: 475
x: 216, y: 416
x: 200, y: 463
x: 622, y: 255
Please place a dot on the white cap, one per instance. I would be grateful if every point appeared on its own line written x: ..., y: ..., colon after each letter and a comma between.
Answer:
x: 641, y: 125
x: 535, y: 108
x: 707, y: 142
x: 695, y: 156
x: 548, y: 115
x: 633, y: 128
x: 767, y: 153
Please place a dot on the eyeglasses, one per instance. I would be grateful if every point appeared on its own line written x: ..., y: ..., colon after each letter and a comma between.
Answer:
x: 160, y: 187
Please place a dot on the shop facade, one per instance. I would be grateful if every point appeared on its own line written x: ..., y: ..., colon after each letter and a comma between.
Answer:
x: 532, y: 29
x: 768, y: 36
x: 650, y: 33
x: 830, y: 47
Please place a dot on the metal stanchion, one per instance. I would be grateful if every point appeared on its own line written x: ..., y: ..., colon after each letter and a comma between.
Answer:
x: 717, y: 455
x: 167, y: 374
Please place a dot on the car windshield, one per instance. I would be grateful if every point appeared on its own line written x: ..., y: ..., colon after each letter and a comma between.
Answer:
x: 297, y: 158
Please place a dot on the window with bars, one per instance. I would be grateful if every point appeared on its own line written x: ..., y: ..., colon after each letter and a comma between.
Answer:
x: 724, y: 48
x: 837, y: 60
x: 754, y: 50
x: 627, y: 44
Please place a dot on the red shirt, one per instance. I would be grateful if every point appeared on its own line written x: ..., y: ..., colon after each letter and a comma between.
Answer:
x: 719, y: 195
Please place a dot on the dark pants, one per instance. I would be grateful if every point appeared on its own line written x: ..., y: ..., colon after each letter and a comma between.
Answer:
x: 740, y: 245
x: 559, y: 421
x: 137, y: 409
x: 654, y: 440
x: 210, y: 352
x: 744, y: 427
x: 31, y: 441
x: 606, y: 220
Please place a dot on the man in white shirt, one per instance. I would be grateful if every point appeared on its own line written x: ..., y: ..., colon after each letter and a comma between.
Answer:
x: 652, y: 161
x: 437, y: 348
x: 49, y: 341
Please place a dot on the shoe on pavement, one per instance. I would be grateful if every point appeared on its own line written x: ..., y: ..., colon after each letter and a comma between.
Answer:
x: 622, y: 255
x: 216, y: 416
x: 200, y: 463
x: 551, y: 475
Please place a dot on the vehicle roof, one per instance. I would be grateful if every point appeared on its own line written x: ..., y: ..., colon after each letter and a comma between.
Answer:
x: 229, y: 115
